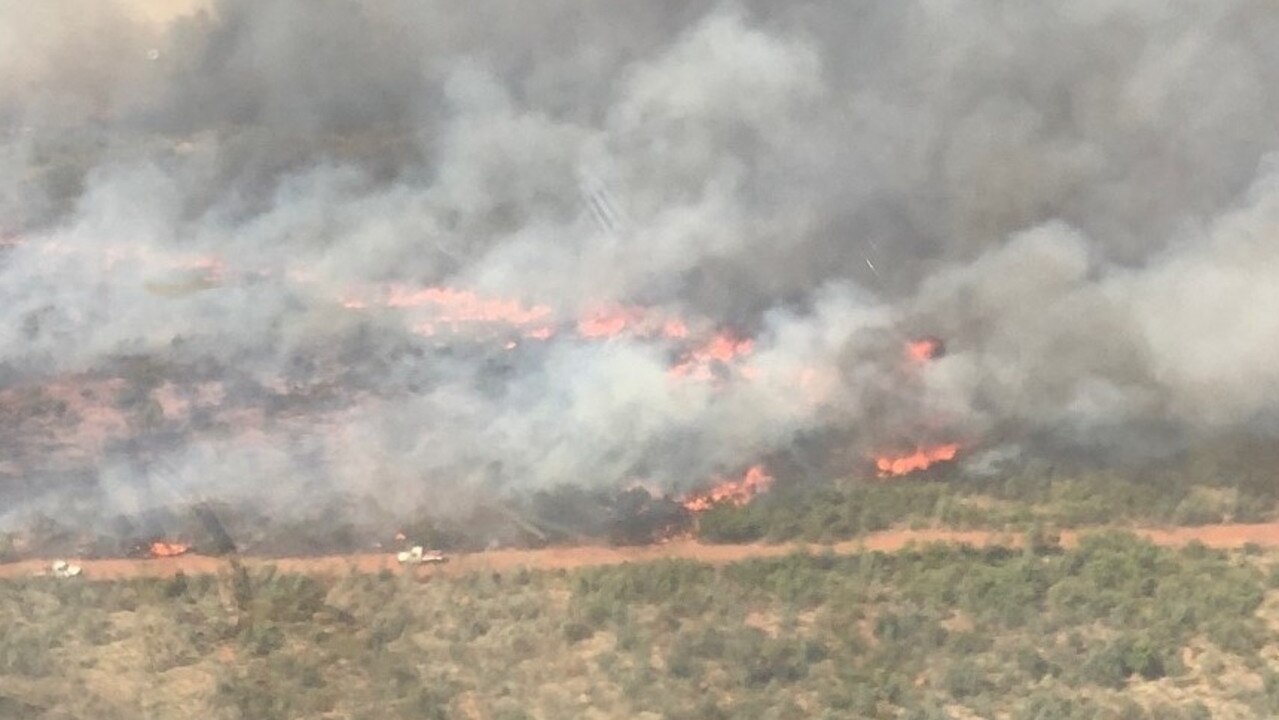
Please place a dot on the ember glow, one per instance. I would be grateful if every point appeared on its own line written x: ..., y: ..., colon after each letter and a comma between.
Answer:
x: 924, y: 349
x: 921, y: 459
x: 457, y: 311
x: 445, y: 308
x: 463, y: 307
x: 732, y: 492
x: 164, y: 548
x: 439, y: 309
x: 634, y: 321
x: 607, y: 324
x: 720, y: 350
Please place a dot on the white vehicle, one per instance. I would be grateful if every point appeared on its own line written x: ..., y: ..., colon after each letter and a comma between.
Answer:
x: 417, y: 555
x: 63, y: 569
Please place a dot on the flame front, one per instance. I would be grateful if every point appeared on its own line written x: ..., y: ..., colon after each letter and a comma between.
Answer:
x: 453, y: 310
x: 733, y: 492
x: 164, y: 548
x: 697, y: 349
x: 921, y: 459
x: 722, y: 349
x: 611, y: 322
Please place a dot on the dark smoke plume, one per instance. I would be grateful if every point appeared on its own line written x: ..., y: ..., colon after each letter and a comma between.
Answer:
x: 214, y: 214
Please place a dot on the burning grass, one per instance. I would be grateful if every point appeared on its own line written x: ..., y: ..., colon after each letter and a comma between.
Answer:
x: 921, y: 458
x: 738, y: 492
x: 168, y: 548
x: 1195, y: 489
x: 760, y: 504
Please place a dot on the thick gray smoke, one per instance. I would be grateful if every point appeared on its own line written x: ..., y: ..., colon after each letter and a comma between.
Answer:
x: 220, y: 228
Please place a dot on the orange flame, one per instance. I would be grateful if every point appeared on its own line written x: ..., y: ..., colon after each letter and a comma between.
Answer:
x: 464, y: 306
x: 924, y: 349
x: 452, y: 310
x: 637, y: 321
x: 921, y: 459
x: 453, y: 307
x: 163, y: 548
x: 733, y: 492
x: 606, y: 323
x: 723, y: 348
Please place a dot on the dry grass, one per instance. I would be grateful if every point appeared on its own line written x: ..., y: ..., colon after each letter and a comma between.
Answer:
x: 905, y: 635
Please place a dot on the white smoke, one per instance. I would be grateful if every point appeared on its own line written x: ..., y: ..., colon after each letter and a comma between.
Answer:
x: 1075, y: 198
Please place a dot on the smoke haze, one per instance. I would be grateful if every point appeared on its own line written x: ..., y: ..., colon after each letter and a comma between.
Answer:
x: 220, y: 226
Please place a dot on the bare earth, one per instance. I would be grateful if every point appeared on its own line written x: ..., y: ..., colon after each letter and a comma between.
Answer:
x: 1216, y: 536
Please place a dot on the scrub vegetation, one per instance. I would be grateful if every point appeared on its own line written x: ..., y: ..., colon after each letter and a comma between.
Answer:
x: 1114, y: 628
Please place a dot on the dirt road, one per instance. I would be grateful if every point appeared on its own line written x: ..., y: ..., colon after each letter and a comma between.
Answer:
x: 1217, y: 536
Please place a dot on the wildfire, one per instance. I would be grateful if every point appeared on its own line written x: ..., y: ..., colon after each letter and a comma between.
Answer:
x: 925, y: 349
x: 454, y: 308
x: 723, y: 348
x: 441, y: 310
x: 464, y: 306
x: 734, y: 492
x: 607, y: 323
x: 921, y: 459
x: 636, y: 321
x: 164, y: 548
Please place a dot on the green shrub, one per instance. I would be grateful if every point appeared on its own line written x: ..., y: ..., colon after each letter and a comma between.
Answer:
x: 25, y: 650
x: 882, y: 635
x: 965, y: 678
x: 576, y: 632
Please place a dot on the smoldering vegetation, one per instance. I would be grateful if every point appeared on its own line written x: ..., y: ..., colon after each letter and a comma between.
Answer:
x: 277, y: 254
x: 344, y: 524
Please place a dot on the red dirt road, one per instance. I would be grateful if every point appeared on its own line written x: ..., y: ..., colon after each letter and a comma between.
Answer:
x: 1216, y: 536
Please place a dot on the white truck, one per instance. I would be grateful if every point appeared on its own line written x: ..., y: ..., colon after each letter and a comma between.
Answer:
x: 64, y: 569
x: 417, y: 555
